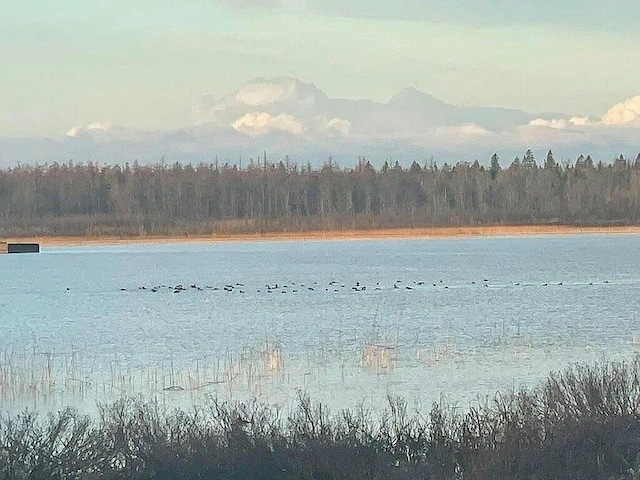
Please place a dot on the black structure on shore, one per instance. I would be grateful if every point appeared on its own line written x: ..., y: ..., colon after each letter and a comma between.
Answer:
x: 6, y: 247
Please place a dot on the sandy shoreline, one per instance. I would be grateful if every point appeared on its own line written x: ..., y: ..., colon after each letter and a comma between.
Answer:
x: 397, y: 233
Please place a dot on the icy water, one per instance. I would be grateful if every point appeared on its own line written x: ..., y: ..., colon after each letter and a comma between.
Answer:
x: 349, y: 322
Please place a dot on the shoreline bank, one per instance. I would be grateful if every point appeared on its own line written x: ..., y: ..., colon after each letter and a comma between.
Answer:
x: 319, y: 235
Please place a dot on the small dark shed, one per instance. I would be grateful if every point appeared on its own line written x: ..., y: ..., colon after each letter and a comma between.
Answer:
x: 6, y: 247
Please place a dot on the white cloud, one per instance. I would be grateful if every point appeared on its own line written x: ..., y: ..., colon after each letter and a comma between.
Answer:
x: 624, y: 113
x: 580, y: 121
x: 560, y: 123
x: 465, y: 130
x: 410, y: 123
x: 408, y: 114
x: 262, y: 123
x: 282, y: 94
x: 336, y: 127
x: 91, y: 127
x: 554, y: 123
x: 259, y: 93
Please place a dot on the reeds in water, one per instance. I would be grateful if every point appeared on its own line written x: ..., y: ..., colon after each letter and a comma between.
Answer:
x: 37, y: 378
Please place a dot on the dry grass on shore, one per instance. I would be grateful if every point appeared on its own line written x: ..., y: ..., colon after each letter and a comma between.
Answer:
x: 318, y: 235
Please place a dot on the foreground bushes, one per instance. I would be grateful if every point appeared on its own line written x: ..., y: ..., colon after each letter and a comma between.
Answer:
x: 580, y: 424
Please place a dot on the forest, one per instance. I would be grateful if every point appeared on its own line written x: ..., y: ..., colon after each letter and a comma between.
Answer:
x: 182, y: 199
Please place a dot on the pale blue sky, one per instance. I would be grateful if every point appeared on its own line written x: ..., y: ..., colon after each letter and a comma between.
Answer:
x: 145, y: 63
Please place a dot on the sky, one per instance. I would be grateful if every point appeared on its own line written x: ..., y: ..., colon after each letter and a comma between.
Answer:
x: 147, y: 65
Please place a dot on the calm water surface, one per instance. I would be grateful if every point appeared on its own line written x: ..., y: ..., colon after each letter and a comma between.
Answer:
x: 346, y: 321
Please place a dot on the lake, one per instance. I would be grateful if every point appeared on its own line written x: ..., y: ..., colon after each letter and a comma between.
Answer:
x: 349, y: 322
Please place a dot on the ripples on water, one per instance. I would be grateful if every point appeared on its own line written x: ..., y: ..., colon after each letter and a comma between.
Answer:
x: 347, y: 321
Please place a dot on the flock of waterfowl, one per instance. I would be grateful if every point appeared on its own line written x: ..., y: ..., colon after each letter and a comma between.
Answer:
x: 336, y: 286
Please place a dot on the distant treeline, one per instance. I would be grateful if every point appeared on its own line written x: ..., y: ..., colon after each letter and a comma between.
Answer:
x: 583, y: 424
x: 68, y: 199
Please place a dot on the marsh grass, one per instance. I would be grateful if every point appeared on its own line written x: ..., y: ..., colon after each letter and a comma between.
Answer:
x: 41, y: 379
x: 583, y: 423
x: 380, y: 352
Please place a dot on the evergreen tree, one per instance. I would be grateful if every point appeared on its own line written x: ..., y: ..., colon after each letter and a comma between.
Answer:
x: 529, y: 161
x: 495, y: 168
x: 550, y: 162
x: 588, y: 162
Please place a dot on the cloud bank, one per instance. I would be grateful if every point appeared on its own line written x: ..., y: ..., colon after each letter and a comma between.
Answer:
x: 561, y: 123
x: 86, y: 129
x: 262, y: 123
x: 624, y: 113
x: 288, y: 117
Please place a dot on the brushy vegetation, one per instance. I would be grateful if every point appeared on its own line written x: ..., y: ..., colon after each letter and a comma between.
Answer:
x: 583, y: 423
